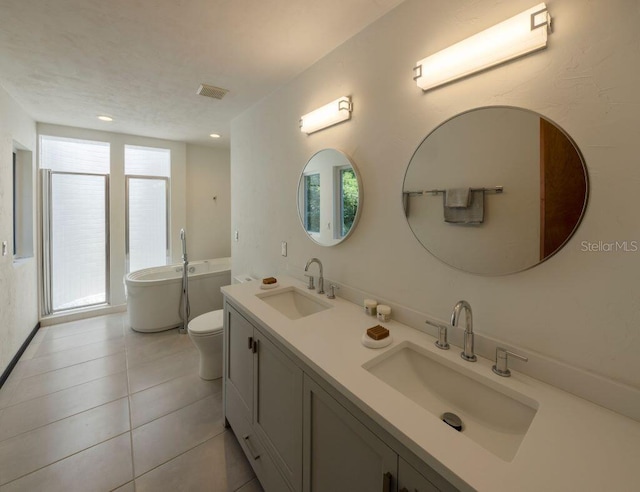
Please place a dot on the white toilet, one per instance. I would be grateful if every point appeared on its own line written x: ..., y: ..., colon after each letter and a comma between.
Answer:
x: 205, y: 332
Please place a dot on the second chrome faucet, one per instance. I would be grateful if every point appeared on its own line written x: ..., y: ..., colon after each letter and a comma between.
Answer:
x: 467, y: 353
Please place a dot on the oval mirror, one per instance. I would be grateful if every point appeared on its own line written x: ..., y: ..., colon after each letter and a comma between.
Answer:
x: 329, y: 197
x: 495, y: 190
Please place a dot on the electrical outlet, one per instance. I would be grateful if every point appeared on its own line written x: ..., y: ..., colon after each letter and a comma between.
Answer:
x: 235, y: 235
x: 283, y: 248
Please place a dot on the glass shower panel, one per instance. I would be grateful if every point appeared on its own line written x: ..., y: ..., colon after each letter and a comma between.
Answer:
x: 78, y: 239
x: 147, y: 240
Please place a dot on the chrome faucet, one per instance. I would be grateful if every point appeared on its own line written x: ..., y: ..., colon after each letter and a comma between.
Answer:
x: 321, y: 277
x: 467, y: 353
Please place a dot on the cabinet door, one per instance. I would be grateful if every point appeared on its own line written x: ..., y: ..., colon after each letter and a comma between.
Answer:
x: 409, y: 480
x: 340, y: 453
x: 239, y: 344
x: 278, y: 408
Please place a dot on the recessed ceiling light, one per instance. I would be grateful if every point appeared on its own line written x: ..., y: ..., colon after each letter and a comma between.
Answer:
x: 105, y: 118
x: 215, y: 135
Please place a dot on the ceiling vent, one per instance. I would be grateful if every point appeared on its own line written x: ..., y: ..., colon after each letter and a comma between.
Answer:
x: 211, y: 91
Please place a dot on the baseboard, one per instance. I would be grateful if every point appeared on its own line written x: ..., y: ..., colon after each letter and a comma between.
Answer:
x: 16, y: 358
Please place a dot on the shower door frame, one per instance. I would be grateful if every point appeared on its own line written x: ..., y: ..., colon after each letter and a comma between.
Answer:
x: 47, y: 239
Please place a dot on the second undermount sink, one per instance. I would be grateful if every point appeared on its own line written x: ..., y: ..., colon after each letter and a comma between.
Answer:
x: 494, y: 416
x: 294, y: 303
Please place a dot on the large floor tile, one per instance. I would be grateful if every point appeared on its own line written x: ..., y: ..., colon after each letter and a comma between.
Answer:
x: 32, y: 450
x: 99, y: 468
x: 66, y: 358
x: 50, y: 382
x: 166, y: 368
x: 8, y: 389
x: 78, y: 340
x: 217, y: 465
x: 167, y: 437
x: 31, y: 350
x: 252, y: 486
x: 44, y: 410
x: 135, y: 338
x: 165, y: 398
x: 157, y: 347
x: 127, y: 487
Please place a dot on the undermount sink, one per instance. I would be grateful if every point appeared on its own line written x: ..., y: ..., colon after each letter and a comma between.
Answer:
x: 494, y: 416
x: 294, y: 303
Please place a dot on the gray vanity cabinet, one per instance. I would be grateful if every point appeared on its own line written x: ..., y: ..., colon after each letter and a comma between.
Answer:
x: 298, y: 432
x: 278, y: 407
x: 263, y: 403
x: 409, y: 480
x: 238, y: 372
x: 340, y: 453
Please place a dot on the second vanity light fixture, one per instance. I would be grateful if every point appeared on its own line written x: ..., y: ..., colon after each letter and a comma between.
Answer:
x: 327, y: 115
x: 517, y: 36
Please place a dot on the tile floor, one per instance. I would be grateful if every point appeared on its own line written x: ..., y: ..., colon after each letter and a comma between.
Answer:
x: 95, y: 406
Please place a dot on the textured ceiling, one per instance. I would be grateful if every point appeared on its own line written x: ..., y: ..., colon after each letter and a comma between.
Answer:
x: 142, y: 61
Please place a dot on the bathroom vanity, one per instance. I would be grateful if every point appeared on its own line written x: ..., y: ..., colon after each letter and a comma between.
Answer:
x: 315, y: 410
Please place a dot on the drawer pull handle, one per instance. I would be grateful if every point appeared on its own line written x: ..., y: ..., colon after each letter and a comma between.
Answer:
x: 250, y: 340
x: 252, y: 451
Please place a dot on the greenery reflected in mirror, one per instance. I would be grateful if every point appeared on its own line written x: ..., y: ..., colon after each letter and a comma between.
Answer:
x: 544, y: 190
x: 329, y: 197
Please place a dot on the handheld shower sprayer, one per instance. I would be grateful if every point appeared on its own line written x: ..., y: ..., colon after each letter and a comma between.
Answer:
x: 183, y: 238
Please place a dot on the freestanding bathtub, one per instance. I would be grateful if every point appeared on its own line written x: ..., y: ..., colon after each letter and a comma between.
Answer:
x: 153, y: 294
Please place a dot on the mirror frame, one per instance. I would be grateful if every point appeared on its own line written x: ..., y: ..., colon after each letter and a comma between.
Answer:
x: 569, y: 236
x: 360, y: 197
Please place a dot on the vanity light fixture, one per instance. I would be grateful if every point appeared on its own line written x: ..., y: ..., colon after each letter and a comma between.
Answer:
x: 214, y: 135
x: 329, y: 114
x: 104, y: 117
x: 514, y: 37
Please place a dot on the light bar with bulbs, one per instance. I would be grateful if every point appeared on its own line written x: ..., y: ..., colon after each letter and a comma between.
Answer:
x: 515, y: 37
x: 327, y: 115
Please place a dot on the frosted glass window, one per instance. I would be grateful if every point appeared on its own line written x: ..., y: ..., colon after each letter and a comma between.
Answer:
x: 73, y: 155
x: 147, y: 161
x: 147, y: 170
x: 146, y: 222
x: 78, y: 240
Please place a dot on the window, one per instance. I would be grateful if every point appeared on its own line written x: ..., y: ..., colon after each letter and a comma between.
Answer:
x: 147, y: 206
x: 75, y: 180
x: 312, y: 203
x: 347, y: 198
x: 15, y: 207
x: 22, y: 203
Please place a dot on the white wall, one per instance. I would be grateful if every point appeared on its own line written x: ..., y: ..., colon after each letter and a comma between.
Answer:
x: 18, y: 280
x: 475, y: 151
x: 177, y: 219
x: 208, y: 220
x: 579, y: 307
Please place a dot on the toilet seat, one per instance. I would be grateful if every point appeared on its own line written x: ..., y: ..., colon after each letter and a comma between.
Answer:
x: 206, y: 324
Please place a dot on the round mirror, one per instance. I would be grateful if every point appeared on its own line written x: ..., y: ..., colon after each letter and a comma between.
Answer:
x: 495, y: 190
x: 329, y: 197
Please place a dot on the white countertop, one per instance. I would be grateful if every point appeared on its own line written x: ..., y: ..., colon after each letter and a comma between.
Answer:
x: 572, y: 444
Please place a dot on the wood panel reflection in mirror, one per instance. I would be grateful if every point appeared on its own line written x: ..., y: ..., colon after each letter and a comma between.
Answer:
x: 329, y: 197
x: 537, y: 166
